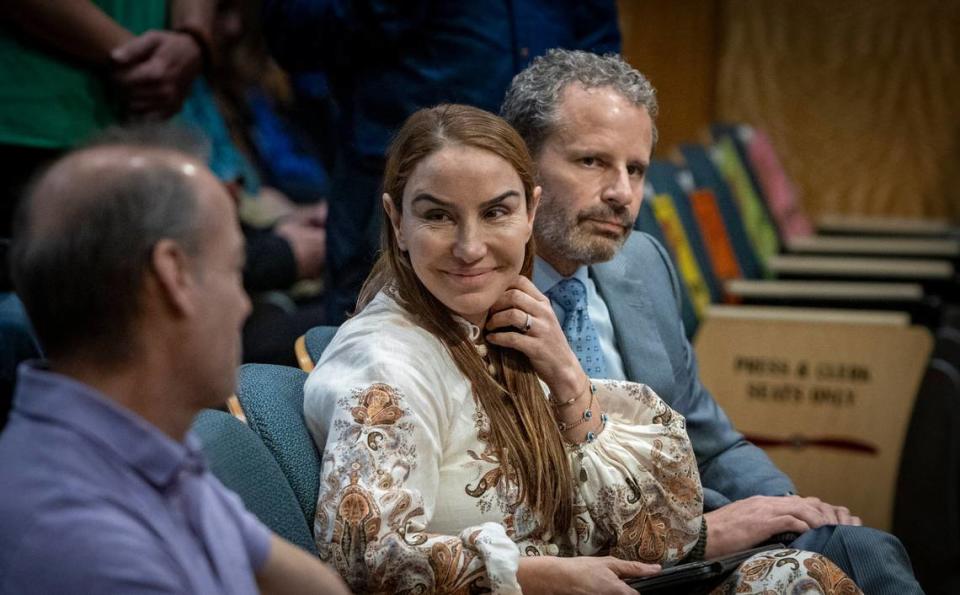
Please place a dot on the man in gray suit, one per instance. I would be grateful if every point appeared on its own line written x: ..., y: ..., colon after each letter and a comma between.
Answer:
x: 589, y: 123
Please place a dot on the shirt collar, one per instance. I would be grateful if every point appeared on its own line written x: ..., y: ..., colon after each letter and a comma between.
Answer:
x: 54, y: 398
x: 545, y: 276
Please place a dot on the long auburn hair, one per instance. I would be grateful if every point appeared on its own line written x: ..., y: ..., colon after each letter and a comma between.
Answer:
x: 522, y: 430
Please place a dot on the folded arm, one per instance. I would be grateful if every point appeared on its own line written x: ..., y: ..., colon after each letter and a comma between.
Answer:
x: 76, y: 27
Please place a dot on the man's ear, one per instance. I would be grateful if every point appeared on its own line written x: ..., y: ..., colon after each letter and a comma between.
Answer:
x: 173, y: 275
x: 395, y: 217
x: 532, y: 209
x: 534, y: 202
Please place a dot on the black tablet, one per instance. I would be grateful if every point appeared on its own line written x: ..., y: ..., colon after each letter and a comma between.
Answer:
x: 686, y: 578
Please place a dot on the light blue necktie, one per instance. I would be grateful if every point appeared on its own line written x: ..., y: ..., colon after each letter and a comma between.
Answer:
x: 571, y: 295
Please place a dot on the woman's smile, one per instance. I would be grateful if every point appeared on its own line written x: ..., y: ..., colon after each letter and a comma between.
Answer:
x: 471, y: 277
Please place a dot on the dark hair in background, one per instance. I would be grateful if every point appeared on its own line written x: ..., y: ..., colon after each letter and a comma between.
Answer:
x: 523, y: 431
x: 78, y: 261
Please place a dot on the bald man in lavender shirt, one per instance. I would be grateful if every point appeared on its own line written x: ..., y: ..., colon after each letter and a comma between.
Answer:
x: 128, y: 259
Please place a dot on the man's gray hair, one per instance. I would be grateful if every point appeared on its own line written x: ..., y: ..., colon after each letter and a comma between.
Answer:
x: 531, y: 101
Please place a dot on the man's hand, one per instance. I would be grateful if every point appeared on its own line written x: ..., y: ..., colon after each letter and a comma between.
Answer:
x: 155, y: 70
x: 309, y: 245
x: 746, y: 523
x: 580, y: 575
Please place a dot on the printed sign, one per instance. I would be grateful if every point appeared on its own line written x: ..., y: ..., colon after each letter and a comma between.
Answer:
x: 829, y: 402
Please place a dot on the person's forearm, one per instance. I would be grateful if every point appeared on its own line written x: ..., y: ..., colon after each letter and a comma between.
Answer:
x: 534, y: 573
x: 193, y: 13
x: 291, y: 570
x: 77, y: 27
x: 196, y: 17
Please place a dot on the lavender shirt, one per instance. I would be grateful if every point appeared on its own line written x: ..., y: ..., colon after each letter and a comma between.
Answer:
x: 93, y: 499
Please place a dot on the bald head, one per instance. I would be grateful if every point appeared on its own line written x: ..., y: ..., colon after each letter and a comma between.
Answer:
x: 84, y: 238
x: 88, y: 180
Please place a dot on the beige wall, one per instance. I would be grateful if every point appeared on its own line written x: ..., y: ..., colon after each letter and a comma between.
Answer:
x: 861, y: 97
x: 673, y: 42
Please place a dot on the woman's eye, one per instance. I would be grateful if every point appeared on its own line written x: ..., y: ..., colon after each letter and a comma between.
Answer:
x: 496, y: 212
x: 435, y: 216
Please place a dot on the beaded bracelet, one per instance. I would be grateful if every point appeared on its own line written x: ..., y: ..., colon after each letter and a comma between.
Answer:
x: 587, y: 414
x: 591, y: 436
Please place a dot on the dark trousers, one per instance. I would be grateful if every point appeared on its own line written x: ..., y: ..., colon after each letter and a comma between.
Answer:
x: 875, y: 560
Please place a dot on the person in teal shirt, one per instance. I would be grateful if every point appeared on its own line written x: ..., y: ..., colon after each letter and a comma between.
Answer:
x: 70, y: 69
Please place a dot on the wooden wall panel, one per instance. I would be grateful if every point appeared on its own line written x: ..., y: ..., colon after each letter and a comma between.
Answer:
x: 673, y: 42
x: 860, y: 98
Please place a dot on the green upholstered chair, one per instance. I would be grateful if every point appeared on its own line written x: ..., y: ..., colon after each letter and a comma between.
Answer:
x: 272, y: 400
x: 241, y: 461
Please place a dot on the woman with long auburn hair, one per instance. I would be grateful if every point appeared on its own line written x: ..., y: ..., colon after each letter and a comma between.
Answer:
x: 464, y: 449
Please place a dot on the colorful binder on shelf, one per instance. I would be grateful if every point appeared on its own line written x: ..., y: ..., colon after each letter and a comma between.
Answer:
x: 668, y: 178
x: 760, y: 230
x: 722, y: 257
x: 706, y: 175
x: 679, y: 247
x: 780, y: 194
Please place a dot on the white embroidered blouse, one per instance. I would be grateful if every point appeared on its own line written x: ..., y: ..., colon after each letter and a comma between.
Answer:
x: 412, y: 498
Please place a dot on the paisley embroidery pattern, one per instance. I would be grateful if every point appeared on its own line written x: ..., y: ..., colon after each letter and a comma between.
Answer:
x: 788, y: 571
x: 375, y: 539
x: 497, y: 488
x: 831, y: 578
x: 642, y: 502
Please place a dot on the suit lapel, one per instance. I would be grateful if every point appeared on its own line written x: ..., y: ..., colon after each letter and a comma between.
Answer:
x: 632, y: 314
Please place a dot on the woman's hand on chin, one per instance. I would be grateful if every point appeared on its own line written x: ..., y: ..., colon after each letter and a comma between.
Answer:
x: 523, y: 319
x: 584, y: 574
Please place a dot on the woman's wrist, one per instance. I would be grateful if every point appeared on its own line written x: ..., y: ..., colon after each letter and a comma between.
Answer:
x: 569, y: 387
x: 535, y: 572
x: 580, y: 421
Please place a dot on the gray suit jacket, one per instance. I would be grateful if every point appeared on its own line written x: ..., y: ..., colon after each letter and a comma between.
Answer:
x: 641, y: 290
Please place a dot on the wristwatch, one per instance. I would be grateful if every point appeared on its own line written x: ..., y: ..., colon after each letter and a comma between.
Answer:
x: 700, y: 548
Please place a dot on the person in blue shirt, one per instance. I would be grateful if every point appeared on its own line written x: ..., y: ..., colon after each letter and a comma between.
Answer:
x: 128, y: 259
x: 385, y: 59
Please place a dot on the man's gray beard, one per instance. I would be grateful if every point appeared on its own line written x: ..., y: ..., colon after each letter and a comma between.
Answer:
x: 565, y: 239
